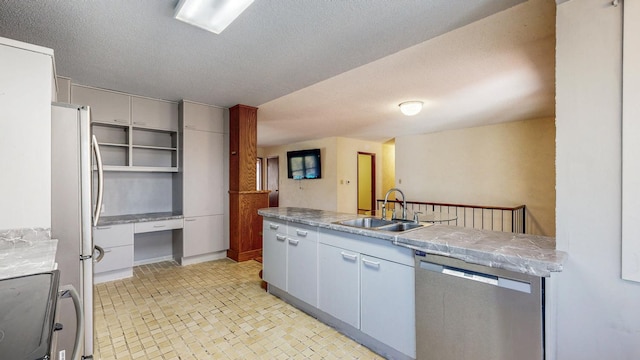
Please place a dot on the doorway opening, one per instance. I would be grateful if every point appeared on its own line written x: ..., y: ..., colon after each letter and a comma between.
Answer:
x: 366, y: 183
x: 273, y: 177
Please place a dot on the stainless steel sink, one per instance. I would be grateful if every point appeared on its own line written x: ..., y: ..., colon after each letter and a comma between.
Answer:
x: 401, y: 226
x: 396, y: 225
x: 368, y: 222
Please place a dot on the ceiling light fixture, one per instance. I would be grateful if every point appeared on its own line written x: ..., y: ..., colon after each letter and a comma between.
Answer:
x: 210, y: 15
x: 411, y: 108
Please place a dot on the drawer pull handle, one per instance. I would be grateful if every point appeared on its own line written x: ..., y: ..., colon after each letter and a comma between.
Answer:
x: 273, y: 226
x: 190, y: 219
x: 301, y: 232
x: 294, y: 242
x: 106, y: 251
x: 159, y: 226
x: 140, y: 122
x: 374, y: 264
x: 120, y: 121
x: 103, y: 227
x: 348, y: 256
x: 280, y: 237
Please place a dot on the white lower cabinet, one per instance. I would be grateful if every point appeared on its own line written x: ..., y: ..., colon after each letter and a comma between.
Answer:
x: 274, y: 253
x: 117, y: 242
x: 339, y: 284
x: 369, y: 284
x: 202, y: 235
x: 388, y: 303
x: 302, y: 263
x: 365, y: 283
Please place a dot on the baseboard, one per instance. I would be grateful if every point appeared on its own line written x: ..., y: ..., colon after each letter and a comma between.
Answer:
x: 184, y: 261
x: 153, y: 260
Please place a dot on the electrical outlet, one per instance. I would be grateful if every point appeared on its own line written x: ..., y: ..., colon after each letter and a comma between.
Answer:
x: 62, y: 355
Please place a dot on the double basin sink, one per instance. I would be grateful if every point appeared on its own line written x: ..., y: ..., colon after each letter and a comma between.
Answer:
x: 371, y: 223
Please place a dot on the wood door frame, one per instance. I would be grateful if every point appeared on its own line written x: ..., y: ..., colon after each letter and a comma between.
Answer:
x: 373, y: 179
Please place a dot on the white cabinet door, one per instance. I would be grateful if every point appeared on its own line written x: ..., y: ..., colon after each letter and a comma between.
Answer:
x: 156, y: 114
x: 202, y: 117
x: 203, y: 162
x: 339, y: 283
x: 388, y: 303
x: 202, y: 235
x: 274, y: 253
x: 117, y: 242
x: 106, y: 106
x: 25, y: 140
x: 302, y: 263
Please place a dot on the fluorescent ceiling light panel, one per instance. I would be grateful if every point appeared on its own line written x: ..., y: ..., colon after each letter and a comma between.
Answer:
x: 210, y: 15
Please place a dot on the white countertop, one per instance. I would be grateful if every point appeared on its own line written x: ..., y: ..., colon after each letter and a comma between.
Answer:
x: 26, y: 251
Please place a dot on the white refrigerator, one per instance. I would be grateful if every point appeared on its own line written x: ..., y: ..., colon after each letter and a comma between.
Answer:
x: 73, y: 216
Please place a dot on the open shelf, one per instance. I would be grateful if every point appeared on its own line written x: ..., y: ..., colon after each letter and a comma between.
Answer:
x: 137, y: 149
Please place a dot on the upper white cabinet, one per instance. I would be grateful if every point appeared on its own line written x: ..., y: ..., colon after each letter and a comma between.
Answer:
x: 106, y: 106
x: 26, y: 92
x: 202, y: 117
x: 134, y: 133
x: 156, y: 114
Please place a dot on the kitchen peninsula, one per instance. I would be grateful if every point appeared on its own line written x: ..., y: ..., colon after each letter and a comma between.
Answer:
x: 310, y: 257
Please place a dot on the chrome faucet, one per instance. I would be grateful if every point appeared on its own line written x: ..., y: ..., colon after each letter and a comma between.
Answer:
x: 404, y: 204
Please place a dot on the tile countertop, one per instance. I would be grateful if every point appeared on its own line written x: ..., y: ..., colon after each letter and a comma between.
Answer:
x: 26, y: 251
x: 135, y: 218
x: 528, y: 254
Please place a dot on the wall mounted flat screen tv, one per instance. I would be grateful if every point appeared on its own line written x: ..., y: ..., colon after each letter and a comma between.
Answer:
x: 304, y: 164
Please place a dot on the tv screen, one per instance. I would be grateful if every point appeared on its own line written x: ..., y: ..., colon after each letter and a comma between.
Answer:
x: 304, y: 164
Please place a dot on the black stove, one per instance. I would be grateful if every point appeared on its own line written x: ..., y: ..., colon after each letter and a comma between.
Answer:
x: 27, y: 316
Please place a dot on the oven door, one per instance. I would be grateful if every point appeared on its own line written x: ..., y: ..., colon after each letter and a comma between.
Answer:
x: 27, y: 315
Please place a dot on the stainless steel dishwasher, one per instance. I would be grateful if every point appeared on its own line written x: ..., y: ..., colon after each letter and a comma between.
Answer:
x: 466, y: 311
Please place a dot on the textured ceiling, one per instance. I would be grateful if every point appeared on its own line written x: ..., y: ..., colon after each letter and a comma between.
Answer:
x: 309, y: 65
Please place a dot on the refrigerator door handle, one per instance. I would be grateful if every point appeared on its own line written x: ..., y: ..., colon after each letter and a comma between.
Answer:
x: 96, y: 149
x: 100, y: 253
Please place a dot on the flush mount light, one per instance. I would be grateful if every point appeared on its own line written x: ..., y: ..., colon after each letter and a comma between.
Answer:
x: 210, y: 15
x: 411, y: 108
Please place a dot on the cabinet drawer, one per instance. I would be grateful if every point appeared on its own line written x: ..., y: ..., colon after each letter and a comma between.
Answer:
x: 302, y: 232
x: 115, y: 258
x: 160, y: 225
x: 113, y: 235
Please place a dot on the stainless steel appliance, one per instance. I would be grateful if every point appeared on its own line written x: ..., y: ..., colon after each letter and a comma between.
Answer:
x: 27, y: 316
x: 466, y: 311
x: 73, y: 218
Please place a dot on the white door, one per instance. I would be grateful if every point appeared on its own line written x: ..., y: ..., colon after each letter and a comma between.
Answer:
x: 338, y: 283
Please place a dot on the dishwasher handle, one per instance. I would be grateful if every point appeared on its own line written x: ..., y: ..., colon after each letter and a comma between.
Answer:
x: 517, y: 285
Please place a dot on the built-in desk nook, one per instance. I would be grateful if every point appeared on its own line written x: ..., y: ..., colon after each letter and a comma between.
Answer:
x: 136, y: 239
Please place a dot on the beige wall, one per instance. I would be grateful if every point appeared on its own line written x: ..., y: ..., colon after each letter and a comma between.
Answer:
x: 597, y: 314
x: 348, y: 171
x: 388, y: 168
x: 501, y: 165
x: 337, y: 190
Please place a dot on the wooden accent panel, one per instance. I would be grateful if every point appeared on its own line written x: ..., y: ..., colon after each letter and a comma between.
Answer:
x: 242, y: 147
x: 245, y: 225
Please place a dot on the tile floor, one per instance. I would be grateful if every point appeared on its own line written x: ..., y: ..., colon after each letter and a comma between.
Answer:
x: 213, y: 310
